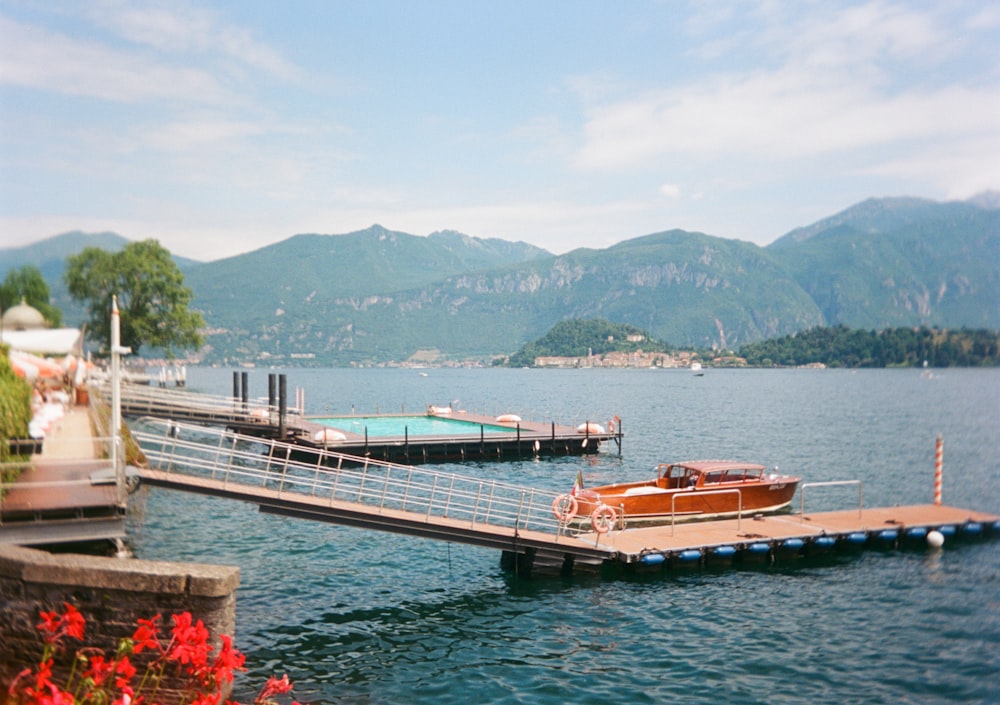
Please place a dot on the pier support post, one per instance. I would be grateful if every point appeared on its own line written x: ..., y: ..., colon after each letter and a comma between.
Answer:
x: 938, y: 456
x: 245, y: 384
x: 270, y: 391
x: 282, y: 404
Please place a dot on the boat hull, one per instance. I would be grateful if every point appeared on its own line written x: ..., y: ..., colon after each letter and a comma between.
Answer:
x: 661, y: 501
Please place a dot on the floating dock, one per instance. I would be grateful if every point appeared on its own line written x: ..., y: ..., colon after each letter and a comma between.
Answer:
x: 785, y: 537
x: 519, y: 521
x: 403, y: 438
x: 463, y: 436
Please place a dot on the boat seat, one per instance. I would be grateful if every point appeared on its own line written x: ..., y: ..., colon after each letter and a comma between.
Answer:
x: 633, y: 491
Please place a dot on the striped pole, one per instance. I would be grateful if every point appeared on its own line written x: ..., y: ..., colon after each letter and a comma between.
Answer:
x: 938, y: 454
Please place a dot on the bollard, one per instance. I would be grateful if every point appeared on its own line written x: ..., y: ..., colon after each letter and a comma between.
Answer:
x: 938, y: 455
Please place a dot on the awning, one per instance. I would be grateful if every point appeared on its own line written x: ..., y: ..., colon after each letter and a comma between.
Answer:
x: 48, y: 341
x: 33, y: 367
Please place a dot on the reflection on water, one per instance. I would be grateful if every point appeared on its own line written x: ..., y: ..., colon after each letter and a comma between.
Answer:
x: 364, y: 617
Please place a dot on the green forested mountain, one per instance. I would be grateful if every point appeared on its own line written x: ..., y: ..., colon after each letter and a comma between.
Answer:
x: 375, y: 295
x: 579, y: 338
x: 899, y: 262
x: 299, y: 282
x: 697, y: 288
x: 840, y: 346
x: 50, y: 254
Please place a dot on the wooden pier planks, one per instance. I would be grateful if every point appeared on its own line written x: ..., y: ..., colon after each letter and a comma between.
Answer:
x: 65, y: 494
x: 631, y: 543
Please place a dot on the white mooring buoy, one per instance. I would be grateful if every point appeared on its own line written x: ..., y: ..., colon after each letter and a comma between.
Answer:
x: 935, y: 539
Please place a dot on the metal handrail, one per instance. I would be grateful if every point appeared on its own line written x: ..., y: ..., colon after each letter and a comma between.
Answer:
x: 701, y: 493
x: 802, y: 494
x: 157, y: 397
x: 381, y: 486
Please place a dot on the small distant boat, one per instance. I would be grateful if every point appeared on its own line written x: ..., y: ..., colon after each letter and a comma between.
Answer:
x: 696, y: 368
x: 685, y: 491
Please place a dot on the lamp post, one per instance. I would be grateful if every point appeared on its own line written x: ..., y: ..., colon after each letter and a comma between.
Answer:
x: 117, y: 351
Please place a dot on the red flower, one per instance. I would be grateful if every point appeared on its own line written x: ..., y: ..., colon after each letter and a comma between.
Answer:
x: 55, y: 626
x: 73, y: 621
x: 274, y: 686
x: 126, y: 697
x: 228, y: 660
x: 49, y: 625
x: 190, y: 641
x: 206, y: 699
x: 44, y: 675
x: 124, y: 670
x: 98, y: 670
x: 55, y: 696
x: 147, y: 635
x: 188, y: 647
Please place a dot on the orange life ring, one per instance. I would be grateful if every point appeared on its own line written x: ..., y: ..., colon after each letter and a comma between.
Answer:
x: 603, y: 518
x: 564, y: 507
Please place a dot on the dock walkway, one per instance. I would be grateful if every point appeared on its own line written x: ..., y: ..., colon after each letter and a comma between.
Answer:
x: 795, y: 535
x: 517, y: 520
x: 67, y: 492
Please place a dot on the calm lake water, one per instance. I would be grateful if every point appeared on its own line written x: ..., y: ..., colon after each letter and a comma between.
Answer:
x: 362, y: 617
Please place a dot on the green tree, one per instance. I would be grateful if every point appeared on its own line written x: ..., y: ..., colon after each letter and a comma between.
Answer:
x: 152, y: 299
x: 28, y: 284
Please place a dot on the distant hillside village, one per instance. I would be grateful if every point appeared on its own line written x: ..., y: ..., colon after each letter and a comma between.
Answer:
x: 619, y: 358
x: 678, y: 359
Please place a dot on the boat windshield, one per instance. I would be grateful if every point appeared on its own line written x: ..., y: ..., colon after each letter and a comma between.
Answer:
x: 732, y: 475
x: 676, y: 476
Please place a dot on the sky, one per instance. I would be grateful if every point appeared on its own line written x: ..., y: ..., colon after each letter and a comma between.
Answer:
x: 222, y: 126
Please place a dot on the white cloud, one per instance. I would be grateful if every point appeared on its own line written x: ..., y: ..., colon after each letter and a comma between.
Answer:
x: 829, y: 94
x: 178, y: 28
x: 672, y: 191
x: 36, y: 58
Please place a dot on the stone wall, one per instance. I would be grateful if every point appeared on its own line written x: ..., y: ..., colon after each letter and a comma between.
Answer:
x: 111, y: 593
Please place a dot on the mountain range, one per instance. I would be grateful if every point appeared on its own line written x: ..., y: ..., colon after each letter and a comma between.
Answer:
x: 376, y: 296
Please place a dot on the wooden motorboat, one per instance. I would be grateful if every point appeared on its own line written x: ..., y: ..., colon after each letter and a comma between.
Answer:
x: 684, y: 491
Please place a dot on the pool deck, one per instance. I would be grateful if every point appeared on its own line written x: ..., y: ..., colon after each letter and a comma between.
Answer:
x: 527, y: 439
x: 524, y: 439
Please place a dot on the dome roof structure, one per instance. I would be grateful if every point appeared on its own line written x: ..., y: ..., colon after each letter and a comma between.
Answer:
x: 23, y: 317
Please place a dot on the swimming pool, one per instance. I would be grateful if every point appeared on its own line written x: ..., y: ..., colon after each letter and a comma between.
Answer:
x: 413, y: 425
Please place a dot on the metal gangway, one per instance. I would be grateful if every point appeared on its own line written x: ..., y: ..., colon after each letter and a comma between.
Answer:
x: 323, y: 485
x: 142, y: 400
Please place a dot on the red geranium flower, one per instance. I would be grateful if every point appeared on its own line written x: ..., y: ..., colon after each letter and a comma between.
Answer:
x: 98, y: 670
x: 274, y: 686
x: 124, y: 670
x: 73, y: 621
x: 147, y: 635
x: 228, y: 660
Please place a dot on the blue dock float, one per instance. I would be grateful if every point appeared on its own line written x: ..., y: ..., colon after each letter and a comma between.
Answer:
x: 886, y: 538
x: 972, y: 529
x: 789, y: 549
x: 854, y: 541
x: 721, y: 556
x: 787, y: 538
x: 758, y: 552
x: 820, y: 546
x: 688, y: 558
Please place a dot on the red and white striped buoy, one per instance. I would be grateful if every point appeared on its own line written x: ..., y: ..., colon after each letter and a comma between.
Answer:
x: 938, y: 454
